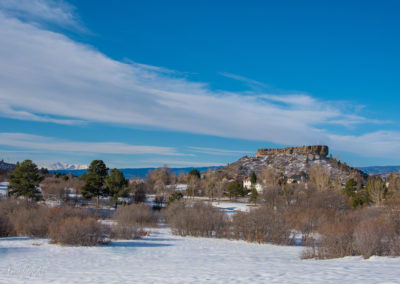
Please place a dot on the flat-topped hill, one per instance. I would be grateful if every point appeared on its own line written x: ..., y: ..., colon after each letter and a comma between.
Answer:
x: 291, y: 162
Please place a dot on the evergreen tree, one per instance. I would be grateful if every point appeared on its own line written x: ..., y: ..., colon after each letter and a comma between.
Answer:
x: 253, y: 178
x: 253, y: 195
x: 194, y: 173
x: 25, y: 180
x: 174, y: 196
x: 351, y: 188
x: 235, y: 189
x: 116, y: 185
x: 94, y: 180
x: 354, y: 191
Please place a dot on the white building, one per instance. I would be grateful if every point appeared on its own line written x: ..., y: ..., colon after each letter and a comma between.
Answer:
x: 248, y: 185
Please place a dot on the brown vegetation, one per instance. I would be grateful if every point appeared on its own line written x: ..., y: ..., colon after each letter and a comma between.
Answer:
x: 131, y: 220
x: 196, y: 219
x: 262, y: 225
x: 75, y: 231
x: 64, y: 225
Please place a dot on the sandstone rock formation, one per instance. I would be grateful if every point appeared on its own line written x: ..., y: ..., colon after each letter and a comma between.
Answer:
x: 320, y: 150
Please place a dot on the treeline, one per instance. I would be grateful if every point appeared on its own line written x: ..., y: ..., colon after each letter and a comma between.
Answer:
x: 29, y: 182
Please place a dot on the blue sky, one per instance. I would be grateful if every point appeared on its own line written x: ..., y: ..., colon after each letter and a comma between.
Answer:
x: 197, y: 83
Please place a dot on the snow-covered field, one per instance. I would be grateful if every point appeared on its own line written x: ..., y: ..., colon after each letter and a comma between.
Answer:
x: 164, y: 258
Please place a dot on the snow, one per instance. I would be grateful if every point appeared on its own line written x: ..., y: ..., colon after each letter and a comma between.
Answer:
x: 178, y: 186
x: 3, y: 188
x: 165, y: 258
x: 231, y: 207
x: 65, y: 166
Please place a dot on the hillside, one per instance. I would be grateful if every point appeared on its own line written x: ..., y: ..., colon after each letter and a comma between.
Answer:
x: 293, y: 161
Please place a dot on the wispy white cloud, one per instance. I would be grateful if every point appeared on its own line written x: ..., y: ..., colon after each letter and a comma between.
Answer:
x: 36, y: 142
x: 218, y: 152
x: 297, y: 100
x: 54, y: 12
x: 7, y: 111
x: 46, y: 76
x: 375, y: 144
x: 243, y: 79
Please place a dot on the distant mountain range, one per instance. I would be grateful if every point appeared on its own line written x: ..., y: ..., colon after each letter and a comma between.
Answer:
x: 380, y: 169
x: 64, y: 166
x: 135, y: 172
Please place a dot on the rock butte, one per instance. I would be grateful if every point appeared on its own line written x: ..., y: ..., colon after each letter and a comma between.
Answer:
x: 321, y: 150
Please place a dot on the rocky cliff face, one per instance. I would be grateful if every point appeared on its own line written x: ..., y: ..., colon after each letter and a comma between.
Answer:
x: 319, y: 150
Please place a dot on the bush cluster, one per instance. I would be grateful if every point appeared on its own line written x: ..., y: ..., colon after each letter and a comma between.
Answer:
x: 64, y: 225
x: 262, y: 225
x: 197, y: 219
x: 76, y: 231
x: 365, y: 232
x: 131, y: 220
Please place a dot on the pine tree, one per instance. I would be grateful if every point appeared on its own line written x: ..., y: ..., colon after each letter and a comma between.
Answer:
x: 253, y: 178
x: 194, y: 173
x: 25, y: 180
x: 253, y: 195
x: 116, y: 185
x: 94, y: 181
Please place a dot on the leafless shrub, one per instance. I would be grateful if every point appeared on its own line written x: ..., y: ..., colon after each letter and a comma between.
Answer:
x: 336, y: 240
x: 196, y: 219
x: 136, y: 214
x: 371, y: 237
x: 126, y: 232
x: 308, y: 221
x: 58, y: 214
x: 76, y: 231
x: 8, y: 208
x: 31, y: 221
x: 330, y: 200
x: 6, y: 227
x: 378, y: 235
x: 131, y: 221
x: 262, y: 225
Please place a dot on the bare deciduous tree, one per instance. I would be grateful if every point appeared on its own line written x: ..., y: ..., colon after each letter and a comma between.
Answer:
x: 271, y: 177
x: 376, y: 190
x: 320, y: 177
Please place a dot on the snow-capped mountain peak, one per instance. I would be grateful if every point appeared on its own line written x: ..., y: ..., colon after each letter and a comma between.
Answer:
x: 64, y: 166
